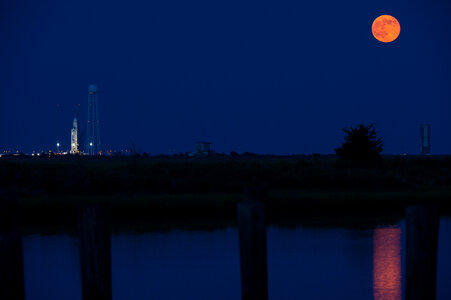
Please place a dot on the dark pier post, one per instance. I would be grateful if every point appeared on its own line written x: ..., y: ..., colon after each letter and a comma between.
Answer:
x: 11, y: 257
x: 95, y: 253
x: 422, y: 225
x: 252, y: 239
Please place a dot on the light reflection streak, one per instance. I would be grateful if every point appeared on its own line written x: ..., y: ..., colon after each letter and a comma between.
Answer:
x: 387, y: 263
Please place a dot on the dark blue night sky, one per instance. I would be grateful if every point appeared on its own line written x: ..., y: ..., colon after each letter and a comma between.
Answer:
x: 278, y: 77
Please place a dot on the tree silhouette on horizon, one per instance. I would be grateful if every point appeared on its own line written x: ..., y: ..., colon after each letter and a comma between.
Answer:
x: 361, y: 144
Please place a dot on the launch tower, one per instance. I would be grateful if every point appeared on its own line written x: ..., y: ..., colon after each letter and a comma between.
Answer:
x: 425, y: 130
x: 93, y: 126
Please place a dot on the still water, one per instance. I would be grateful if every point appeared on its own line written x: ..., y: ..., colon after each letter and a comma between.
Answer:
x: 303, y: 263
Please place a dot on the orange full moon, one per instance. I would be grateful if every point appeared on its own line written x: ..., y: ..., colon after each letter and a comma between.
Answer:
x: 386, y: 28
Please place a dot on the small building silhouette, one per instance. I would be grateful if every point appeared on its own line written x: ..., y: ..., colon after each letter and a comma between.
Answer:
x: 202, y: 149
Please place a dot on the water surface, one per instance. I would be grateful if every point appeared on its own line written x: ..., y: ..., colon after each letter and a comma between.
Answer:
x: 307, y: 263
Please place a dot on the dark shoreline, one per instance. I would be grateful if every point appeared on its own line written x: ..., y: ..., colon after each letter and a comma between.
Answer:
x: 208, y: 212
x: 179, y: 190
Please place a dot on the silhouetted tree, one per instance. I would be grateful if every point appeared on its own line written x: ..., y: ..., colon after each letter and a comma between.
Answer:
x: 361, y: 144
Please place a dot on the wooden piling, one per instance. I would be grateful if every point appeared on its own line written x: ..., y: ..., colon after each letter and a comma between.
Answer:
x: 252, y: 240
x: 11, y: 257
x: 422, y: 226
x: 95, y: 253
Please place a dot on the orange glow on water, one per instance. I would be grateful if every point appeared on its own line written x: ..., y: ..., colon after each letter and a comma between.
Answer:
x: 387, y: 264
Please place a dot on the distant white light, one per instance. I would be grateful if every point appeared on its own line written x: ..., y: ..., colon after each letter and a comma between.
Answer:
x: 90, y: 144
x: 57, y: 144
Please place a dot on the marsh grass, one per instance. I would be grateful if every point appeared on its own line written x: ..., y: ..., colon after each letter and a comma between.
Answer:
x: 175, y: 190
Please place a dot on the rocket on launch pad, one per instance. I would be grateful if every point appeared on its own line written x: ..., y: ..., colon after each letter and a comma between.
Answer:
x: 74, y: 138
